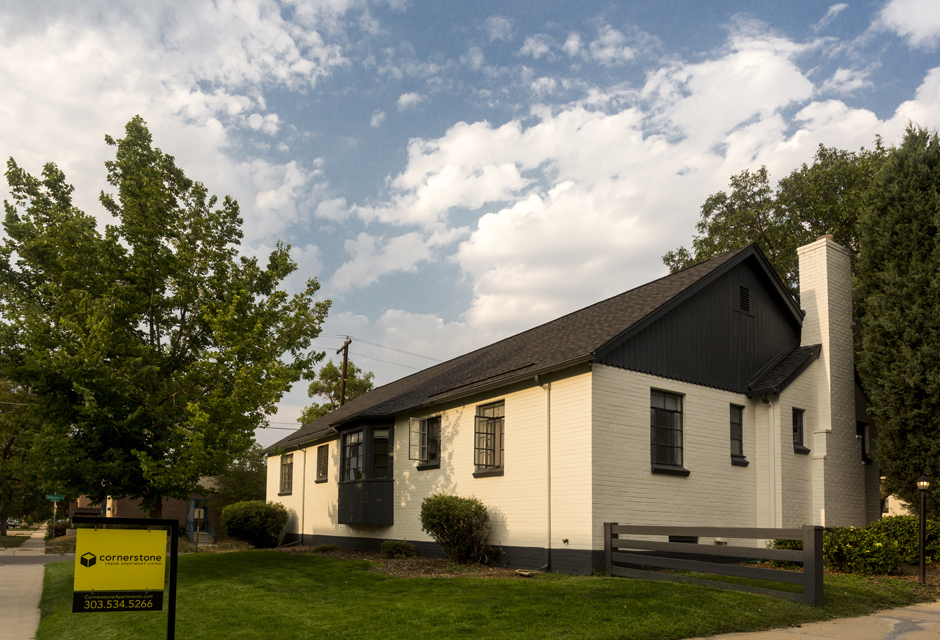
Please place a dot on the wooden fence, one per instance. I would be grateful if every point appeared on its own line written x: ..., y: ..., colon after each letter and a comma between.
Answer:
x: 626, y: 557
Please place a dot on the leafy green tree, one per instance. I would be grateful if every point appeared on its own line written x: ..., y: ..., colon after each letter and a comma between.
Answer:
x: 327, y: 386
x: 899, y: 278
x: 245, y: 479
x: 153, y: 349
x: 825, y: 197
x: 16, y: 480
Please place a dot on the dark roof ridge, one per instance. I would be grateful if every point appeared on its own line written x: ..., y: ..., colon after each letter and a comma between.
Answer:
x: 542, y: 348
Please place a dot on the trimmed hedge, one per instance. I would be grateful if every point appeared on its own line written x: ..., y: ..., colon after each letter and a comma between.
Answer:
x: 862, y: 551
x: 905, y: 530
x: 877, y: 549
x: 460, y: 525
x: 255, y: 521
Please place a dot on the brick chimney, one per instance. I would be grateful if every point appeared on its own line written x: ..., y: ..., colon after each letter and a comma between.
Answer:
x: 826, y: 299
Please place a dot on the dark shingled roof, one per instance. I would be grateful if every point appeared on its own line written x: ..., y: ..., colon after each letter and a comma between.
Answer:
x: 558, y: 344
x: 786, y: 371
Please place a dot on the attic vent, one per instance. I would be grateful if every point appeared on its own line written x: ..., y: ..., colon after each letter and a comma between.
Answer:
x: 744, y: 299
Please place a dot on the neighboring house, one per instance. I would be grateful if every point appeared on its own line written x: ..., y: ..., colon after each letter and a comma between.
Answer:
x: 703, y: 398
x: 206, y: 527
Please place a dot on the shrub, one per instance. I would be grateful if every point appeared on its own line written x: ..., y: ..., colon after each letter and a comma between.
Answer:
x: 59, y: 528
x: 255, y: 521
x: 398, y: 549
x: 905, y: 530
x: 862, y: 551
x: 461, y: 526
x: 324, y: 548
x: 790, y: 545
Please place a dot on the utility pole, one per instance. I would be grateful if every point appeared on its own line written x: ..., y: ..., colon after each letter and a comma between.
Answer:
x: 342, y: 383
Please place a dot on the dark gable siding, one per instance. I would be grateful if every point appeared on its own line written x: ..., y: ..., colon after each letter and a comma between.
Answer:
x: 706, y: 341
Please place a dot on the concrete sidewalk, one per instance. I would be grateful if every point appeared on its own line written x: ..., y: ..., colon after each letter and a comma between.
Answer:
x: 21, y: 573
x: 917, y: 622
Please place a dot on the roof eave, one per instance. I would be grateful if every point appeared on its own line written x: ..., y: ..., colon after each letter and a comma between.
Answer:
x: 468, y: 391
x: 776, y: 389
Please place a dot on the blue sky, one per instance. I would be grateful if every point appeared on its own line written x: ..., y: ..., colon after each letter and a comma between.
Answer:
x: 453, y: 173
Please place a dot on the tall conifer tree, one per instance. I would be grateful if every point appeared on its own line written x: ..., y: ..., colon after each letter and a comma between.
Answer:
x: 898, y: 276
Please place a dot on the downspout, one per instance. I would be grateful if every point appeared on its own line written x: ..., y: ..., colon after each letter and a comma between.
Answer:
x: 548, y: 473
x: 303, y: 495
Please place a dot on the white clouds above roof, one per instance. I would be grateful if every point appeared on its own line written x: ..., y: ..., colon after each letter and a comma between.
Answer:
x: 916, y: 20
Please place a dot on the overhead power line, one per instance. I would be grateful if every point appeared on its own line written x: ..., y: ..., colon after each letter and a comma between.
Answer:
x: 384, y: 346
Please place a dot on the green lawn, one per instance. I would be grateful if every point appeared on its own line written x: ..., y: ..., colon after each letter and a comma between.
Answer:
x: 259, y: 594
x: 12, y: 540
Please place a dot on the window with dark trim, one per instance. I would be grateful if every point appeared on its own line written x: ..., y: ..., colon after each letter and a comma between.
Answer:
x: 424, y: 442
x: 737, y: 436
x: 666, y: 432
x: 488, y: 439
x: 366, y: 454
x: 323, y: 456
x: 380, y: 453
x: 798, y: 434
x: 861, y: 432
x: 287, y: 474
x: 352, y: 456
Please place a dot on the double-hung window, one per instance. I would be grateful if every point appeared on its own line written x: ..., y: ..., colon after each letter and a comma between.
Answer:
x: 488, y: 439
x: 366, y: 454
x: 287, y: 474
x: 798, y: 444
x: 666, y: 432
x: 424, y: 440
x: 737, y: 436
x: 352, y: 456
x: 323, y: 455
x: 380, y: 453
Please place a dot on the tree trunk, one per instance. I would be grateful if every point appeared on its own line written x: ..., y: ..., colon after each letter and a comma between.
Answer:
x: 157, y: 510
x: 4, y: 514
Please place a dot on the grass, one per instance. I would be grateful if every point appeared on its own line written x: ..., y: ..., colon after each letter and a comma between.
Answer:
x: 255, y: 594
x: 12, y: 540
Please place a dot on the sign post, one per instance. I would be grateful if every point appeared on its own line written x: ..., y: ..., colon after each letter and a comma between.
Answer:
x: 55, y: 501
x: 124, y: 569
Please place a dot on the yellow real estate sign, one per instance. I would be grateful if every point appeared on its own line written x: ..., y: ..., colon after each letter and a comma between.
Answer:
x: 119, y: 570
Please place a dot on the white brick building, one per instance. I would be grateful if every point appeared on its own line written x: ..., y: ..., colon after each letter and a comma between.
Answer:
x: 704, y: 398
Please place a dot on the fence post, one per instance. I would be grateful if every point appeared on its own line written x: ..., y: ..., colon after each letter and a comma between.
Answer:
x: 813, y: 565
x: 608, y: 546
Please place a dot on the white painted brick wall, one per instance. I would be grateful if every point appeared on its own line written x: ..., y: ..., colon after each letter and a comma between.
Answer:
x: 625, y: 491
x: 517, y: 501
x: 826, y: 296
x: 798, y: 504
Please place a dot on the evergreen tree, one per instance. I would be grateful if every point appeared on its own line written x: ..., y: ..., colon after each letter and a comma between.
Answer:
x: 898, y: 277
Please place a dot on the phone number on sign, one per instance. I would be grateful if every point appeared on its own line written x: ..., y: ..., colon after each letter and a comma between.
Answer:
x: 120, y: 603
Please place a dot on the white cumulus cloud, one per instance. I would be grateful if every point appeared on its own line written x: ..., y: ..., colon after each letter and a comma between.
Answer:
x: 916, y: 20
x: 408, y: 100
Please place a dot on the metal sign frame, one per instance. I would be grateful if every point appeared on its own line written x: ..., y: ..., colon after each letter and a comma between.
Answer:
x: 173, y: 526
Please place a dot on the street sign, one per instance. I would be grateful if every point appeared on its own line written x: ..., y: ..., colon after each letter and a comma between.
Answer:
x: 119, y: 570
x: 54, y: 498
